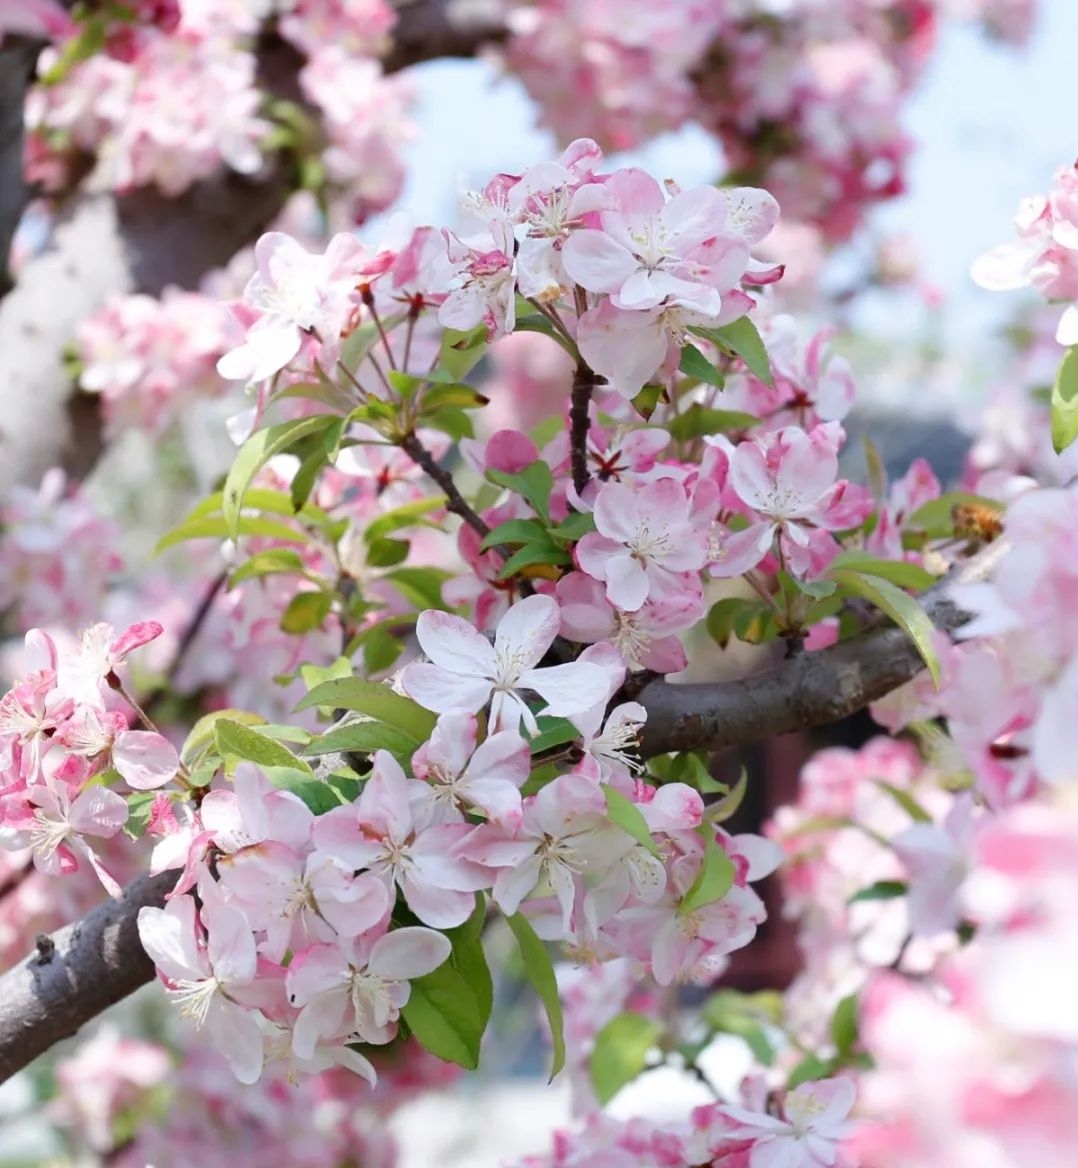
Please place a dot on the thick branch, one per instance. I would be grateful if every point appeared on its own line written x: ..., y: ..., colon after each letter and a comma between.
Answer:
x: 75, y: 974
x: 431, y: 29
x: 17, y: 57
x: 811, y: 689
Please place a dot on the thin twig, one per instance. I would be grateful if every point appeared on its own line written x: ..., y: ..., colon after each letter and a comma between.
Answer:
x: 455, y: 501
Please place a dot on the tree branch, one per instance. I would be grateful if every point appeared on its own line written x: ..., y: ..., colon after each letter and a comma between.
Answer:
x: 811, y: 689
x: 75, y: 974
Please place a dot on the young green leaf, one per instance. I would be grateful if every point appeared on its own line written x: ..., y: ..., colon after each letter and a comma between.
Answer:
x: 695, y: 365
x: 256, y: 452
x: 742, y: 337
x: 376, y: 701
x: 1065, y: 402
x: 621, y: 1052
x: 443, y: 1015
x: 713, y: 882
x: 540, y: 972
x: 900, y: 607
x: 625, y: 813
x: 239, y: 743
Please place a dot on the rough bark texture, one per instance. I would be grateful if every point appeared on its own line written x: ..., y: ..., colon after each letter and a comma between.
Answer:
x: 75, y: 974
x: 811, y: 689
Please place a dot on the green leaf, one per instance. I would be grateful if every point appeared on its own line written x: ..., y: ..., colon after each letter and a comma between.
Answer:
x: 546, y: 553
x: 728, y: 805
x: 899, y: 572
x: 456, y: 394
x: 574, y: 526
x: 380, y: 648
x: 553, y: 732
x: 746, y: 1016
x: 534, y: 483
x: 540, y: 973
x: 365, y: 738
x: 319, y: 795
x: 745, y: 617
x: 1065, y: 402
x: 844, y: 1026
x: 217, y: 527
x: 625, y: 813
x: 881, y: 890
x: 647, y: 400
x: 387, y: 553
x: 461, y: 352
x: 305, y: 612
x: 742, y: 337
x: 201, y: 736
x: 271, y: 562
x: 901, y: 608
x: 713, y: 882
x: 256, y: 452
x: 421, y: 587
x: 809, y: 1069
x: 139, y: 808
x: 514, y: 531
x: 621, y: 1052
x: 239, y: 743
x: 699, y: 420
x: 445, y: 1013
x: 406, y: 515
x: 695, y: 365
x: 306, y: 476
x: 905, y: 800
x: 376, y: 701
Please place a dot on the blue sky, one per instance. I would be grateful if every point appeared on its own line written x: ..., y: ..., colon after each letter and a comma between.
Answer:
x: 991, y: 125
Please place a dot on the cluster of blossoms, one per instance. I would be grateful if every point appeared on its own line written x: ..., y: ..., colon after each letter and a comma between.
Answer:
x: 1045, y: 255
x: 176, y: 94
x: 294, y: 949
x: 330, y: 899
x: 183, y: 1107
x: 805, y: 97
x: 150, y: 358
x: 57, y: 555
x: 805, y: 1130
x: 62, y: 727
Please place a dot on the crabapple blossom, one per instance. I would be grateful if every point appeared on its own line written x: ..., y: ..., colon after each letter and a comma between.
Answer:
x: 292, y: 294
x: 648, y: 542
x: 205, y: 975
x: 382, y: 832
x: 789, y: 480
x: 359, y: 988
x: 462, y: 776
x: 465, y: 671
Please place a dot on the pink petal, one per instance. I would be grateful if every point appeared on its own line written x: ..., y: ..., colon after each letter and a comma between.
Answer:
x: 453, y: 644
x: 145, y: 759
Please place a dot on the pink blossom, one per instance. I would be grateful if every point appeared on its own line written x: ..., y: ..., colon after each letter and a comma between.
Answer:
x: 465, y: 671
x: 203, y: 977
x: 359, y: 989
x: 293, y: 293
x: 813, y: 1122
x: 380, y: 832
x: 462, y: 776
x: 60, y: 819
x: 647, y: 542
x: 788, y: 479
x: 145, y: 759
x: 650, y: 251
